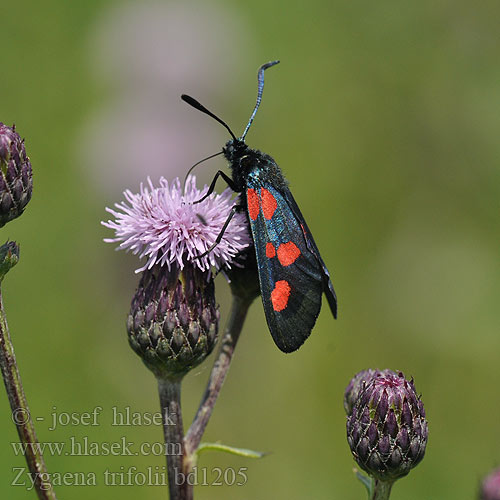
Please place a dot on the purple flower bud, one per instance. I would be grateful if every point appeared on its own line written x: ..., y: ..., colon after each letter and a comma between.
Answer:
x: 173, y: 320
x: 9, y: 257
x: 356, y: 385
x: 386, y: 425
x: 490, y: 489
x: 16, y: 178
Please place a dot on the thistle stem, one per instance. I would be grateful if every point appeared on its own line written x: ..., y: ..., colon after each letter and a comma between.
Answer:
x: 381, y: 490
x: 193, y: 437
x: 20, y: 412
x: 170, y: 401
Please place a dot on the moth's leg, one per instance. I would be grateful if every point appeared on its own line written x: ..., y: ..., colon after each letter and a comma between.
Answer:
x: 226, y: 177
x: 235, y: 209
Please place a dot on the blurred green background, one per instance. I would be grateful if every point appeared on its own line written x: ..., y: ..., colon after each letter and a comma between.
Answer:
x: 383, y: 115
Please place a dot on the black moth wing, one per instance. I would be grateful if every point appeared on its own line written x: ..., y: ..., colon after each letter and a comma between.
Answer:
x: 311, y: 244
x: 303, y: 278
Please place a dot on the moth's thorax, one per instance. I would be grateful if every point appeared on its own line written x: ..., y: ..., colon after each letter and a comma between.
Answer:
x: 251, y: 166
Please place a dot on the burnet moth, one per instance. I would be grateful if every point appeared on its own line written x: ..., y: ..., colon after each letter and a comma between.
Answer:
x: 292, y: 273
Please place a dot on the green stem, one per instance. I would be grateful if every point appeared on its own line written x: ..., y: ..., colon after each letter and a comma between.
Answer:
x: 170, y: 401
x: 382, y: 490
x: 193, y: 437
x: 20, y: 412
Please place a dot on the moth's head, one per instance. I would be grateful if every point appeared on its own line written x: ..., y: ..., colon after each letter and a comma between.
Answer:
x: 234, y: 150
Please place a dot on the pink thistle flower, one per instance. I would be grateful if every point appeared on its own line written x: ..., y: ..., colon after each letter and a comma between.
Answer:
x: 163, y: 225
x: 490, y: 489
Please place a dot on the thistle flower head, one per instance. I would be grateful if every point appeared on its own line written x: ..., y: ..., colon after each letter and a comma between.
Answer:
x: 173, y: 319
x: 163, y: 225
x: 490, y: 489
x: 356, y: 385
x: 16, y: 177
x: 386, y: 424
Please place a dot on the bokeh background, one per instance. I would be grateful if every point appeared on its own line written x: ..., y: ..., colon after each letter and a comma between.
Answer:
x: 385, y: 118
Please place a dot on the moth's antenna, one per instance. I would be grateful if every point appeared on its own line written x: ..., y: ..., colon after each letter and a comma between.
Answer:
x: 193, y: 102
x: 195, y: 165
x: 260, y: 88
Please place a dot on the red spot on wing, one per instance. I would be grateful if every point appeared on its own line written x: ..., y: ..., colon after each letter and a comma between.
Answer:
x: 269, y: 203
x: 253, y: 204
x: 270, y: 250
x: 288, y: 253
x: 280, y: 295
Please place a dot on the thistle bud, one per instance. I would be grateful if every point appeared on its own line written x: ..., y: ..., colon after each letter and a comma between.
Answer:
x: 9, y: 257
x: 16, y: 178
x: 386, y: 426
x: 357, y: 384
x: 490, y: 489
x: 173, y: 320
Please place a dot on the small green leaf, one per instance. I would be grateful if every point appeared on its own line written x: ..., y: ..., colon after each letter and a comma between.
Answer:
x: 242, y: 452
x: 368, y: 482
